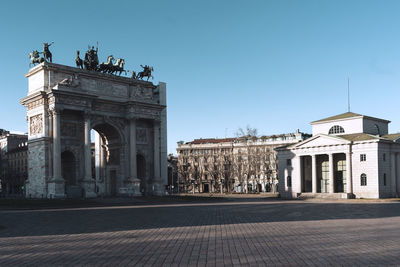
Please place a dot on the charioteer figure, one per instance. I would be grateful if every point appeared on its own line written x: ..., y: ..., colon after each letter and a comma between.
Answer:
x: 91, y: 60
x: 46, y: 52
x: 145, y: 73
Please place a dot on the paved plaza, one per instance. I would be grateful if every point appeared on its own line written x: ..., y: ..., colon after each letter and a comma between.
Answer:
x: 249, y: 232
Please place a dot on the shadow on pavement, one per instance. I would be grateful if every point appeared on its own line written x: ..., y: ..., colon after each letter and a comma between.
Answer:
x: 122, y: 218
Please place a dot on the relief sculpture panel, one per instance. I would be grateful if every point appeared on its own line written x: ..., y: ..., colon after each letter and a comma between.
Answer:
x: 144, y: 93
x: 36, y: 124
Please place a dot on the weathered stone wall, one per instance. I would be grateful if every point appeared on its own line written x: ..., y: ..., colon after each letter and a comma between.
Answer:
x: 38, y: 172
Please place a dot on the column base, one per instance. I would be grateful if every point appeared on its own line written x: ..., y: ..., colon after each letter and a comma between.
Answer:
x: 132, y: 188
x: 56, y: 188
x: 158, y: 188
x: 89, y: 188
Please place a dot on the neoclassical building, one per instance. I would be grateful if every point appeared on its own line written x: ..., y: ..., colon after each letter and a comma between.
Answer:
x: 67, y: 108
x: 245, y: 164
x: 349, y: 155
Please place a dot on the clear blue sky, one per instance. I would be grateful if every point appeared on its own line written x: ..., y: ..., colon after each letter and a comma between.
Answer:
x: 275, y: 65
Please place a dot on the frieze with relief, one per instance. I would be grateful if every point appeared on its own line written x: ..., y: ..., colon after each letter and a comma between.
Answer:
x: 107, y: 107
x: 36, y: 124
x: 147, y: 113
x: 72, y: 101
x: 142, y: 93
x: 104, y: 88
x: 35, y: 103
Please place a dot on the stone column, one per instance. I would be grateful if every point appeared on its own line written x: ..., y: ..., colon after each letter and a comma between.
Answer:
x: 393, y: 172
x: 50, y: 134
x: 157, y: 183
x: 56, y: 188
x: 349, y: 176
x: 88, y: 182
x: 331, y: 175
x: 56, y: 146
x: 297, y: 179
x: 134, y: 182
x: 397, y: 174
x: 87, y: 149
x: 132, y: 146
x: 314, y: 173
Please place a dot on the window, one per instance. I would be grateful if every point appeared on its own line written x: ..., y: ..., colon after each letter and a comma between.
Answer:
x: 325, y: 176
x: 289, y: 181
x: 336, y: 129
x: 289, y: 162
x: 384, y: 179
x: 363, y: 179
x: 376, y: 130
x: 363, y: 157
x: 384, y: 156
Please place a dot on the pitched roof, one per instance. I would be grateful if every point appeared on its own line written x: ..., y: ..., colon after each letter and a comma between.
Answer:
x: 345, y: 115
x: 359, y: 137
x: 392, y: 137
x: 348, y: 115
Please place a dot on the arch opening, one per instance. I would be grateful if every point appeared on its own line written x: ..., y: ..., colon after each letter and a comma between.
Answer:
x: 106, y: 148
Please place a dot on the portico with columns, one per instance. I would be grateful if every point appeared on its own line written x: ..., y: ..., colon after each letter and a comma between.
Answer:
x: 349, y: 155
x: 66, y: 106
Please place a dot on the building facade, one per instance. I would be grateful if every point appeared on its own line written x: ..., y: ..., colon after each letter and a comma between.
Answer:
x: 349, y: 155
x: 13, y: 162
x: 128, y: 116
x: 17, y: 170
x: 242, y: 165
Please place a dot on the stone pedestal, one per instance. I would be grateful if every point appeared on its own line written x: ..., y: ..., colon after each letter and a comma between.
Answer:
x: 56, y: 189
x: 89, y: 188
x: 158, y: 188
x: 132, y: 188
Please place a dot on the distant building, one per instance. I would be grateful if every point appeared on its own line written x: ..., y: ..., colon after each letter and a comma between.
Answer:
x: 245, y: 164
x: 349, y: 155
x: 172, y: 174
x: 17, y: 169
x: 13, y: 161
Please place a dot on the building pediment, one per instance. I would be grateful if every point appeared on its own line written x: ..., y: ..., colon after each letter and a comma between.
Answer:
x: 321, y: 140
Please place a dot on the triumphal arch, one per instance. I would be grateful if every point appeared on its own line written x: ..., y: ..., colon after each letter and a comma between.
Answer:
x: 94, y: 134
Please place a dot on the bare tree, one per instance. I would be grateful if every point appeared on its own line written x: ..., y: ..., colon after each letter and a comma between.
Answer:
x: 247, y: 132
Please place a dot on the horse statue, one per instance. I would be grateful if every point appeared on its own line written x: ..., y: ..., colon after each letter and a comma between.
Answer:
x: 78, y: 60
x: 46, y: 52
x: 145, y: 73
x: 35, y: 58
x: 106, y: 66
x: 118, y: 66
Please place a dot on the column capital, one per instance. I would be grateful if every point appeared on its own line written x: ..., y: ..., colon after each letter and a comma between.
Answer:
x: 86, y: 114
x: 131, y: 117
x: 54, y: 111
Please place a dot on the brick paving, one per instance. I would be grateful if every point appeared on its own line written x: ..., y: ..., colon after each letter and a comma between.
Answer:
x: 241, y: 232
